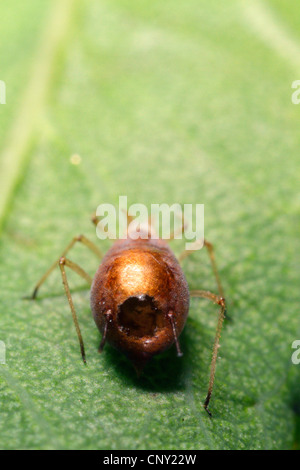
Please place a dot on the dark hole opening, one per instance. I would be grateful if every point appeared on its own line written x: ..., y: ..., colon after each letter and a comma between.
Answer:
x: 140, y: 316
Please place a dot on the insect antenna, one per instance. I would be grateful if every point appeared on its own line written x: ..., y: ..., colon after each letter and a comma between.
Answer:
x: 103, y: 340
x: 171, y: 318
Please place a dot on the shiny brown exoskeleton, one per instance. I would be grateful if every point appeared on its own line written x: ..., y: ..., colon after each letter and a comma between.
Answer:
x: 139, y: 294
x: 139, y: 298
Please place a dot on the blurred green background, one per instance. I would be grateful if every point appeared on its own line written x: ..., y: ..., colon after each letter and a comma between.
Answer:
x: 164, y: 101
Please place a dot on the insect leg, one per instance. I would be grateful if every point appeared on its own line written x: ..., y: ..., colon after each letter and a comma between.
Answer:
x: 220, y: 301
x: 95, y: 219
x: 82, y: 239
x: 64, y: 262
x: 211, y: 254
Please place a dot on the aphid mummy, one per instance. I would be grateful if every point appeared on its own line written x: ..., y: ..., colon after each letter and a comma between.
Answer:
x: 142, y: 286
x: 139, y: 298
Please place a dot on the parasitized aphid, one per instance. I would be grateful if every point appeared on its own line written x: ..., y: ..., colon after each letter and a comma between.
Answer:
x: 140, y: 298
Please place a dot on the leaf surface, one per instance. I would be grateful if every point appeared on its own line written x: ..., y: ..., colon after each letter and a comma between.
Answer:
x: 185, y: 102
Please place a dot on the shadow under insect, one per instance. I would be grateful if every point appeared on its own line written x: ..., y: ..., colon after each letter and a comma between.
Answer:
x: 163, y: 373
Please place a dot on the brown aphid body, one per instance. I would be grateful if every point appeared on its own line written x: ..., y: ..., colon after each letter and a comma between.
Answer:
x: 139, y: 297
x: 139, y: 294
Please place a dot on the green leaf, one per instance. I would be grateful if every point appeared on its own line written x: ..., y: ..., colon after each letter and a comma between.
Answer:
x: 168, y: 101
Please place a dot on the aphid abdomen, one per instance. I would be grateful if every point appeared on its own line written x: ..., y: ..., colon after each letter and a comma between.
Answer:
x: 139, y: 283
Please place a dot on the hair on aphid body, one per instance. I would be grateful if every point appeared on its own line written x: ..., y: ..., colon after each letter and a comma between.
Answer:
x: 139, y: 298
